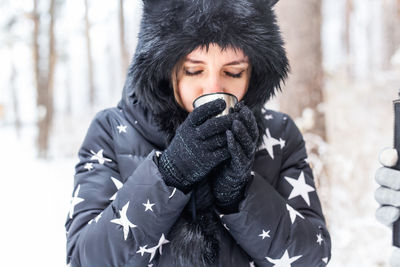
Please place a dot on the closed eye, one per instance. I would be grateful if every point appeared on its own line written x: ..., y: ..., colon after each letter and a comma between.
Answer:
x: 193, y: 73
x: 234, y: 75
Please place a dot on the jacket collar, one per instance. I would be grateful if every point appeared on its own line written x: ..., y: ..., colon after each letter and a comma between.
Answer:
x: 143, y: 120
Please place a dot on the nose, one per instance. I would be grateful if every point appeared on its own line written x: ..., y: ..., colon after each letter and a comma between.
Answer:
x: 213, y: 84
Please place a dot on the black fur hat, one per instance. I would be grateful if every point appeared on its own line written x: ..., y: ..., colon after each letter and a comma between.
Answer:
x: 171, y: 29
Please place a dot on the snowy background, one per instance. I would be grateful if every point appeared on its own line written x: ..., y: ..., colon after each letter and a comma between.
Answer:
x: 36, y: 193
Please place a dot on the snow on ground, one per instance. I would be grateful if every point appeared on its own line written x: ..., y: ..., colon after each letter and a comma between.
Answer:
x: 35, y: 200
x: 360, y: 124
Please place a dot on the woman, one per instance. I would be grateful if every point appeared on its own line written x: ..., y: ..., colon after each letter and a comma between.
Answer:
x: 162, y: 184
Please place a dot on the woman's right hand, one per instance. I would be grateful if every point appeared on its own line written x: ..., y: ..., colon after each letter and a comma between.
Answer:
x: 198, y: 147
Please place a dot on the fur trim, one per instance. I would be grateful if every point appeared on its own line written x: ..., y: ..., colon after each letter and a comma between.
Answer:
x: 195, y: 243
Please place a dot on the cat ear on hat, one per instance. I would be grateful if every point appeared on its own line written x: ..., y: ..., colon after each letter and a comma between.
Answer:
x: 150, y: 2
x: 266, y: 3
x: 272, y: 2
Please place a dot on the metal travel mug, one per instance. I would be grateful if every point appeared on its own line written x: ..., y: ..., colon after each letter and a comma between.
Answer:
x: 229, y: 99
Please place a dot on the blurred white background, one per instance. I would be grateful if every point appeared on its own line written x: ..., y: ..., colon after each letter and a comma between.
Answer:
x: 361, y: 78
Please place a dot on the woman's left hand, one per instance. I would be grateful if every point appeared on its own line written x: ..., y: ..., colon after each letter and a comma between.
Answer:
x: 229, y: 184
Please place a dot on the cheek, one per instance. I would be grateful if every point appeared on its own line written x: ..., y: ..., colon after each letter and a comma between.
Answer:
x: 238, y: 88
x: 188, y: 92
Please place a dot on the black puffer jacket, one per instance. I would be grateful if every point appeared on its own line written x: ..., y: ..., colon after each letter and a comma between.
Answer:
x: 122, y: 212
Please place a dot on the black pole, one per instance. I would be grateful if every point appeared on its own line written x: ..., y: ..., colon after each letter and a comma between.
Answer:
x: 396, y: 106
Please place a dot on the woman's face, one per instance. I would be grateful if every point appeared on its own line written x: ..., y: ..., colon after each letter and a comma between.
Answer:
x: 204, y: 72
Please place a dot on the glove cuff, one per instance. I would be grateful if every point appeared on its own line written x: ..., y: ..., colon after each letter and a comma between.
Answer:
x: 171, y: 175
x: 229, y: 203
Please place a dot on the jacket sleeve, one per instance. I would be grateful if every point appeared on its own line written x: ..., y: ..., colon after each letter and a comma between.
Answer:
x: 111, y: 227
x: 283, y: 224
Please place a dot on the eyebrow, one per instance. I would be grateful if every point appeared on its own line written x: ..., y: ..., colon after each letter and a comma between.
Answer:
x: 236, y: 62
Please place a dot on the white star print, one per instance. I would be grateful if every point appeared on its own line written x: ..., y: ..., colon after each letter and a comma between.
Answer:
x: 285, y: 261
x: 88, y: 166
x: 74, y: 201
x: 153, y: 250
x: 96, y: 219
x: 173, y: 193
x: 158, y: 154
x: 121, y: 128
x: 142, y: 250
x: 325, y: 259
x: 319, y: 239
x: 148, y: 205
x: 124, y: 221
x: 269, y: 142
x: 118, y: 184
x: 293, y: 213
x: 252, y: 264
x: 269, y: 117
x: 99, y: 157
x: 162, y: 241
x: 282, y: 142
x: 264, y: 234
x: 300, y: 188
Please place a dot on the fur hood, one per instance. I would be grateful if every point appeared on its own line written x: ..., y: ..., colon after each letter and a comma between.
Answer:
x: 171, y: 29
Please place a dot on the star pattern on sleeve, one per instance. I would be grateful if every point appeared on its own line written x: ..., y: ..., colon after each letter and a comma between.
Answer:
x: 173, y: 193
x: 264, y: 234
x: 325, y: 260
x: 148, y: 205
x: 152, y: 251
x: 293, y: 213
x: 252, y: 264
x: 142, y: 250
x: 99, y: 157
x: 118, y: 184
x: 121, y: 128
x: 300, y: 188
x: 269, y: 117
x: 88, y: 166
x: 319, y: 239
x: 269, y: 142
x: 284, y: 261
x: 75, y: 201
x: 124, y: 221
x: 96, y: 219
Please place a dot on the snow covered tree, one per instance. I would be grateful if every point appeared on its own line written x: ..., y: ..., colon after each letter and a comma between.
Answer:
x: 44, y: 77
x: 303, y: 93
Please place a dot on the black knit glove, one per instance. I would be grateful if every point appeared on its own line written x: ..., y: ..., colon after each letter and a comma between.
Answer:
x: 229, y: 184
x: 202, y: 198
x: 198, y: 146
